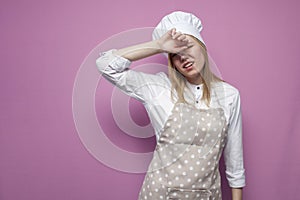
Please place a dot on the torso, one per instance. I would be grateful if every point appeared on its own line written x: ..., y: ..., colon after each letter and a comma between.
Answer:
x: 185, y: 161
x: 159, y: 108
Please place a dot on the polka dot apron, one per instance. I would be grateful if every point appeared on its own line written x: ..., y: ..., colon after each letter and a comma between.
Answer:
x: 185, y: 162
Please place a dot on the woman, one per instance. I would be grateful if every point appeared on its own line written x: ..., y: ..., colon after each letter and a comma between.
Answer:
x: 194, y: 113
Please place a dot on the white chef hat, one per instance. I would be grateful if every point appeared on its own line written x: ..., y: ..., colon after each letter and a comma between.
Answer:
x: 184, y: 22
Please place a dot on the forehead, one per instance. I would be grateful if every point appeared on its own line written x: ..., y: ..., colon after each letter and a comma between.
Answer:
x: 196, y: 41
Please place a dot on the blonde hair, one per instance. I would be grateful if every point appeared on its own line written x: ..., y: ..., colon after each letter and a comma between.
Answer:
x: 178, y: 81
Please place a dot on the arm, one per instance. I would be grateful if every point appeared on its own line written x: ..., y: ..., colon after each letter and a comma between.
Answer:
x: 114, y: 65
x: 140, y: 51
x: 237, y: 193
x: 170, y: 42
x: 233, y: 152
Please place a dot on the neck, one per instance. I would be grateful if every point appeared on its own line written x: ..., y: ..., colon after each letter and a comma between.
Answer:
x: 195, y: 81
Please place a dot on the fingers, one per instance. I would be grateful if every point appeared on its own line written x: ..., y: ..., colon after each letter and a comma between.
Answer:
x: 173, y: 31
x: 176, y: 41
x: 175, y: 35
x: 179, y: 36
x: 182, y: 38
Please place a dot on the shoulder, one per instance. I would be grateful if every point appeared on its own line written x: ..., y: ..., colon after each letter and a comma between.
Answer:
x: 228, y: 89
x: 149, y: 81
x: 226, y: 94
x: 160, y: 78
x: 163, y: 76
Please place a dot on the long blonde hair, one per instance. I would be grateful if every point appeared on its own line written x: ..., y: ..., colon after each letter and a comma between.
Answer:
x: 178, y: 81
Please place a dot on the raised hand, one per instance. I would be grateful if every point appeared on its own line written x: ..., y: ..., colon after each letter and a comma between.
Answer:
x: 170, y: 42
x: 173, y: 42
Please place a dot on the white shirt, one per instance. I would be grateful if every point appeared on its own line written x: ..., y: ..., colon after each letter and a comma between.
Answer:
x: 153, y: 90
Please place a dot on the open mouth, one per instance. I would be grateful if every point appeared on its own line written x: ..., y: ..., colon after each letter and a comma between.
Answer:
x: 188, y: 65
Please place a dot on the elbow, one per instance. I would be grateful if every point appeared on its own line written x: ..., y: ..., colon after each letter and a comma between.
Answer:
x: 104, y: 60
x: 100, y: 64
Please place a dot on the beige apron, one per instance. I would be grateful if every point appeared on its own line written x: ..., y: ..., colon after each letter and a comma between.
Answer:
x: 185, y: 162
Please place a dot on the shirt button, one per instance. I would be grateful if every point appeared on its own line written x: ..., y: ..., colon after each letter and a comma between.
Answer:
x: 197, y: 101
x: 198, y: 88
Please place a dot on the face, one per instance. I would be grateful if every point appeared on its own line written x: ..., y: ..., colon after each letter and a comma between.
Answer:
x: 190, y: 61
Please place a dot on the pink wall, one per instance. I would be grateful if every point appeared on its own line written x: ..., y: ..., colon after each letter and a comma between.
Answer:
x: 43, y: 44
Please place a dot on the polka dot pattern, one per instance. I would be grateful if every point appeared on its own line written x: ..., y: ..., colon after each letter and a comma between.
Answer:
x: 185, y: 161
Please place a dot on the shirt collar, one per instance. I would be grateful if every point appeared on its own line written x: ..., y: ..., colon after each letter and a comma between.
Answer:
x: 194, y: 87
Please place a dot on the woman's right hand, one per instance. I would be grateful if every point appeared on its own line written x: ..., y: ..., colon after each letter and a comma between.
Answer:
x: 173, y: 42
x: 170, y: 42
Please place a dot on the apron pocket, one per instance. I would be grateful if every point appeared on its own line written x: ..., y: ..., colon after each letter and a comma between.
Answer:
x: 180, y: 193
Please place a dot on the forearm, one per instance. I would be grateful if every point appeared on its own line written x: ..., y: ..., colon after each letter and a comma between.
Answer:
x: 237, y: 193
x: 170, y: 42
x: 139, y: 51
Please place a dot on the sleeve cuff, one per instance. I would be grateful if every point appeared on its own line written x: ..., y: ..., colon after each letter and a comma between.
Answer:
x: 119, y: 63
x: 109, y: 62
x: 236, y: 180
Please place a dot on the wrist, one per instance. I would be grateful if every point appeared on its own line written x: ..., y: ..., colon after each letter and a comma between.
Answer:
x: 158, y: 46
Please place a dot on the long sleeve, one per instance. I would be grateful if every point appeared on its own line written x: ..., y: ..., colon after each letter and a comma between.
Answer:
x: 233, y: 152
x: 139, y: 85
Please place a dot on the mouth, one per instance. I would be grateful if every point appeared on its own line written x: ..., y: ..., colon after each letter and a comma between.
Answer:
x: 188, y: 65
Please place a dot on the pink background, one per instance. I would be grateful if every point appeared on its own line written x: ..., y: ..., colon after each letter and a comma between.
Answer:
x: 43, y: 43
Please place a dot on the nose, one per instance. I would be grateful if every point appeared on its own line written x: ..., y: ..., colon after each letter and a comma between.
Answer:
x: 183, y: 57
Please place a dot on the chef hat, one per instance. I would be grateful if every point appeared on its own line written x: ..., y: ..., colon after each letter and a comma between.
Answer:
x: 186, y: 23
